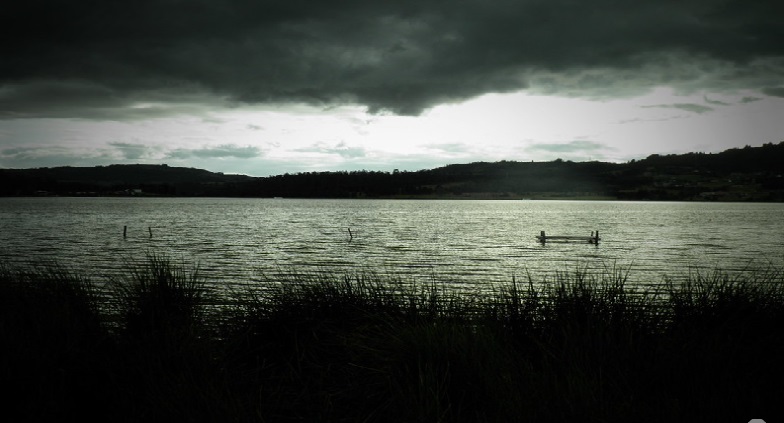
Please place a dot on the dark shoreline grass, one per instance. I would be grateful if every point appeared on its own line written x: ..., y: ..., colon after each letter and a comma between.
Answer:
x: 158, y: 345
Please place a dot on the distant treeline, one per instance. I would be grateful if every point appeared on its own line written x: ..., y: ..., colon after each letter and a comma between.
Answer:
x: 739, y: 174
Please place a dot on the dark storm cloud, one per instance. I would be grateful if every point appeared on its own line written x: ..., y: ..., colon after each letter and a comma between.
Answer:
x: 96, y: 58
x: 94, y: 100
x: 774, y: 92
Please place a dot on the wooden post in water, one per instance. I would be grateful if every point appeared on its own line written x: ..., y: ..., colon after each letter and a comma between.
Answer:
x: 125, y: 231
x: 542, y: 238
x: 149, y: 228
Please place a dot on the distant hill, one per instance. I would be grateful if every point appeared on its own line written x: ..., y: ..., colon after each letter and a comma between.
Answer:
x: 740, y: 174
x: 746, y: 174
x: 116, y: 180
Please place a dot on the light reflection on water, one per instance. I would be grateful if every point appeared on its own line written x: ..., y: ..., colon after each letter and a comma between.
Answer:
x: 473, y: 243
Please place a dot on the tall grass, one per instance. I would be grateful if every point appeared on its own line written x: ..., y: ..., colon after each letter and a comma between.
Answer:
x: 332, y: 347
x: 160, y: 299
x: 51, y: 335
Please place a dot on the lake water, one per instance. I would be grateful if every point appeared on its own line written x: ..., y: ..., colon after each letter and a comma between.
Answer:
x: 465, y: 243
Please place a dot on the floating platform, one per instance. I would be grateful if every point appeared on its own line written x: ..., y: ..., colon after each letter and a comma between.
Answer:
x: 593, y: 239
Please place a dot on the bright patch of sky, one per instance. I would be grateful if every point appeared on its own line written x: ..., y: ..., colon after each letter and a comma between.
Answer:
x: 265, y: 140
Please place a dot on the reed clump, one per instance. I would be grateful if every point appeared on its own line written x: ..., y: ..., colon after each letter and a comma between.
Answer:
x: 161, y: 344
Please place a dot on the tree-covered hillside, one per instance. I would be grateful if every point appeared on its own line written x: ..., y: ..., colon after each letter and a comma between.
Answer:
x: 115, y: 180
x: 745, y: 174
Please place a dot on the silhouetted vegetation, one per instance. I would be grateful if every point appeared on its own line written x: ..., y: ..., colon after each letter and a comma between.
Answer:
x: 162, y: 344
x: 117, y: 180
x: 745, y: 174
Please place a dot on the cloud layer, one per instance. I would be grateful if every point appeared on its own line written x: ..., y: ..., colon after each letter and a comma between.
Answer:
x: 131, y: 60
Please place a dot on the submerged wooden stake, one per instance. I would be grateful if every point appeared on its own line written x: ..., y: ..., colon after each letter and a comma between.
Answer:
x: 350, y: 235
x: 125, y: 231
x: 149, y: 228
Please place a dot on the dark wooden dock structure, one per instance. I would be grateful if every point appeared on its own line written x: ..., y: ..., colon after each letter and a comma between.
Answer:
x: 593, y: 239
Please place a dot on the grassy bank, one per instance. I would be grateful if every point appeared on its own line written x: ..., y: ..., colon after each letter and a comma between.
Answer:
x: 159, y: 345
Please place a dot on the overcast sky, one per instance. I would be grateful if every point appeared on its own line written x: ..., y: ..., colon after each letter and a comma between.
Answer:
x: 263, y: 87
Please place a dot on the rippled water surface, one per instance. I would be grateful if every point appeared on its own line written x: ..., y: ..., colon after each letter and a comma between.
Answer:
x: 466, y: 242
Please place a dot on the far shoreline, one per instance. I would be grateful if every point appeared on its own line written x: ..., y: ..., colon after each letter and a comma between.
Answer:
x: 454, y: 197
